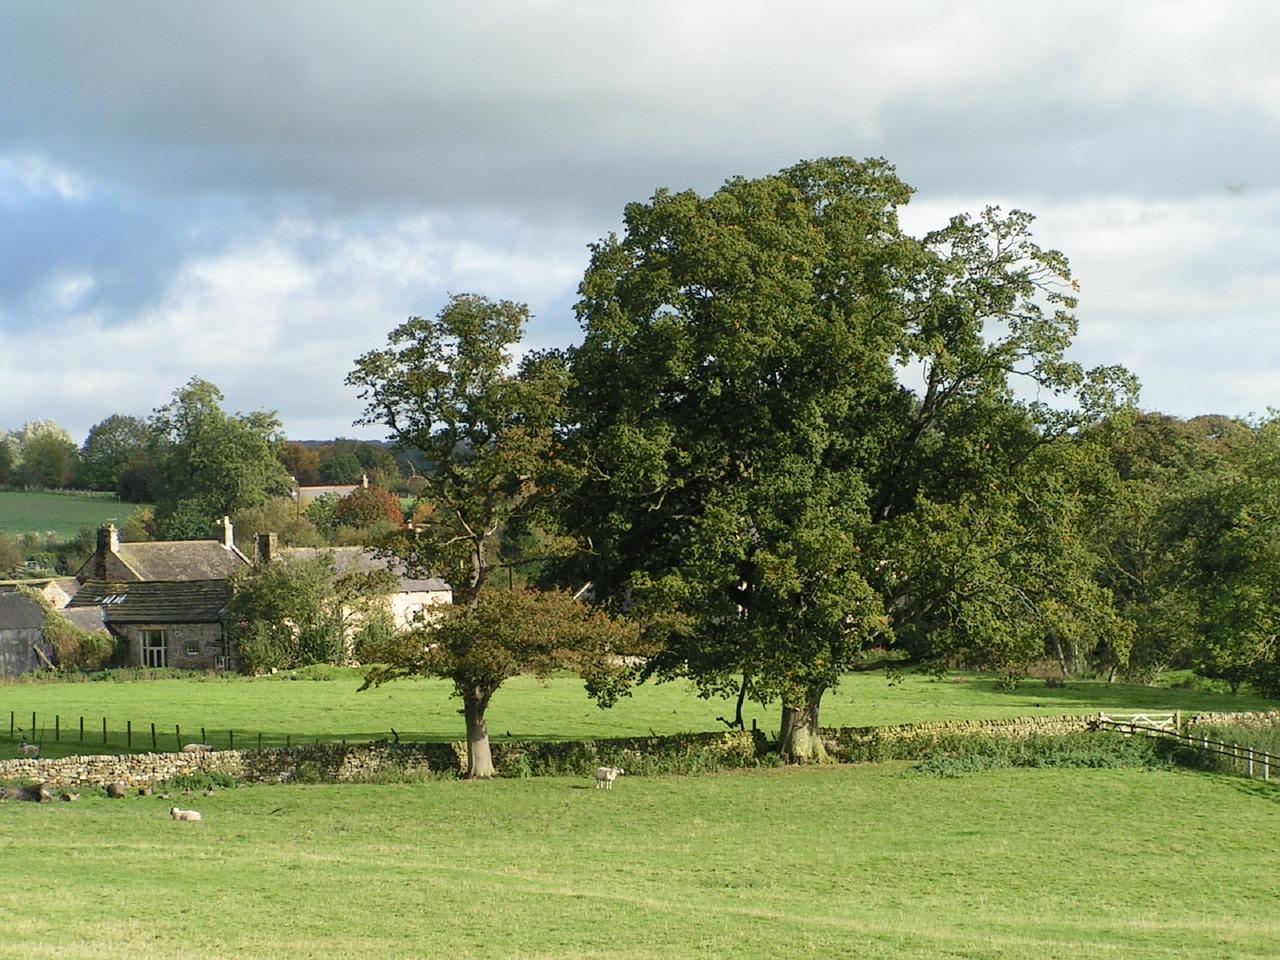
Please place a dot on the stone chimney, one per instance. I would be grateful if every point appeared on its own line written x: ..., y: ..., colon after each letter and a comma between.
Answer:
x: 108, y: 539
x: 265, y: 546
x: 228, y: 534
x: 108, y: 543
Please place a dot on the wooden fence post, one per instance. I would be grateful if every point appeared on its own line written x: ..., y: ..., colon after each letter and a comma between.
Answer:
x: 128, y: 735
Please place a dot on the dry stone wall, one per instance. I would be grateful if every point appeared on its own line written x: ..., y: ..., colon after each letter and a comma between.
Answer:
x: 689, y: 753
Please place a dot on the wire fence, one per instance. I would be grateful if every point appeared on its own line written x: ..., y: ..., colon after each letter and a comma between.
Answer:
x: 58, y: 735
x: 1197, y: 749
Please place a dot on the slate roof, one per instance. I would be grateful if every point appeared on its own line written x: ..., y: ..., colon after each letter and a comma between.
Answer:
x: 360, y: 560
x: 181, y: 559
x: 156, y: 601
x: 20, y: 612
x: 86, y: 618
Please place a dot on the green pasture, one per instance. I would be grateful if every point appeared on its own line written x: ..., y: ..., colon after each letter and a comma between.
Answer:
x: 63, y: 514
x: 864, y: 862
x: 295, y: 707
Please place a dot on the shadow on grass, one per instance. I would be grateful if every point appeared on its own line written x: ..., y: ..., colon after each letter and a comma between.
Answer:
x: 1089, y: 696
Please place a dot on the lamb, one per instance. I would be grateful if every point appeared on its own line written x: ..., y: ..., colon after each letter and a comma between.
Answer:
x: 606, y: 775
x: 184, y: 814
x: 197, y: 748
x: 26, y: 749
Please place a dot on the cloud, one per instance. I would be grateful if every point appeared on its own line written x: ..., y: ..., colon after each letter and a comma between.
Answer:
x: 257, y: 193
x: 276, y: 320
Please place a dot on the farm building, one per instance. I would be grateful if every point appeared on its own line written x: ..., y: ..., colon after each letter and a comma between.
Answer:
x: 163, y: 559
x: 164, y: 623
x: 23, y: 648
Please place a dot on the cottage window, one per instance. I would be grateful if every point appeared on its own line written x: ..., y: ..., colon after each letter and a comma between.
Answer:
x: 192, y: 649
x: 155, y: 649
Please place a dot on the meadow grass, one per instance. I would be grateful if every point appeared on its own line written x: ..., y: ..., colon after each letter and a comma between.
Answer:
x: 64, y: 514
x: 864, y: 861
x: 290, y: 708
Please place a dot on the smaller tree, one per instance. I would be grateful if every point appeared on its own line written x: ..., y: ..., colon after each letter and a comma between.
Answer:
x: 503, y: 634
x: 367, y: 506
x: 115, y: 451
x: 292, y: 612
x: 48, y: 455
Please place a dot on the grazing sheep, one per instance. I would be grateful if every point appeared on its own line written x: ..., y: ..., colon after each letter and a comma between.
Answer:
x: 606, y: 775
x: 184, y: 814
x: 117, y: 790
x: 26, y: 749
x: 197, y: 748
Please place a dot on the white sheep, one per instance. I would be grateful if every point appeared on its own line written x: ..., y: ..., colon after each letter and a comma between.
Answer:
x: 26, y: 749
x: 184, y: 814
x: 606, y: 775
x: 197, y: 748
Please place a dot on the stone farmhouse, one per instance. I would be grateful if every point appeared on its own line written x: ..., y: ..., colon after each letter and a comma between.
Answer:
x: 165, y: 623
x: 167, y: 600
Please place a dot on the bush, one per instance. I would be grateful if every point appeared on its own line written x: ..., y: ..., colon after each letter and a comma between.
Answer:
x: 1075, y: 750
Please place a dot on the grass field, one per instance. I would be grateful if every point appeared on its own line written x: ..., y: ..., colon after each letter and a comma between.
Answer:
x: 524, y: 709
x: 857, y: 861
x: 63, y: 514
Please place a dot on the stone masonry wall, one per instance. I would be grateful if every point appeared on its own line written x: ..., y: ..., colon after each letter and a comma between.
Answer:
x: 339, y: 763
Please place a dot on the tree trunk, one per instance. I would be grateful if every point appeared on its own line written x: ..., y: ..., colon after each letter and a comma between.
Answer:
x: 799, y: 740
x: 475, y: 700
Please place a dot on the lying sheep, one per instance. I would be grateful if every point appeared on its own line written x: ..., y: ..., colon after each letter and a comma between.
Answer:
x: 184, y: 814
x: 606, y: 775
x: 117, y: 790
x: 197, y: 748
x: 26, y: 749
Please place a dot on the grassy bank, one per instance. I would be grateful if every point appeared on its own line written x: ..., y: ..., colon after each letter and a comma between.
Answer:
x: 862, y: 861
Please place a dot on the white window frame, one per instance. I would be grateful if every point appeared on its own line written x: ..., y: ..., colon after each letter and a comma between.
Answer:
x: 154, y: 648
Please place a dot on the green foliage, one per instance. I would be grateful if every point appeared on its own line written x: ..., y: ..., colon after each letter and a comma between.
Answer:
x: 446, y: 387
x: 279, y: 516
x: 211, y: 464
x: 198, y: 782
x: 1079, y: 751
x: 506, y: 633
x: 115, y: 458
x: 760, y: 485
x: 75, y: 649
x: 284, y: 614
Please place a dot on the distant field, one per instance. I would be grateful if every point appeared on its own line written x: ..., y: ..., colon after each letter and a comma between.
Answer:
x: 64, y: 514
x: 868, y: 861
x: 281, y: 708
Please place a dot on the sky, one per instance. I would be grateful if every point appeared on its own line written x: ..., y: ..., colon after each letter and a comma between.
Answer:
x: 258, y: 193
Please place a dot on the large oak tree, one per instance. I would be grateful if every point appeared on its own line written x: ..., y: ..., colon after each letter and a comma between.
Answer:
x: 792, y: 417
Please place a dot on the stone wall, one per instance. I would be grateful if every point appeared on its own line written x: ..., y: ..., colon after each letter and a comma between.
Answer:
x: 688, y: 753
x: 325, y: 762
